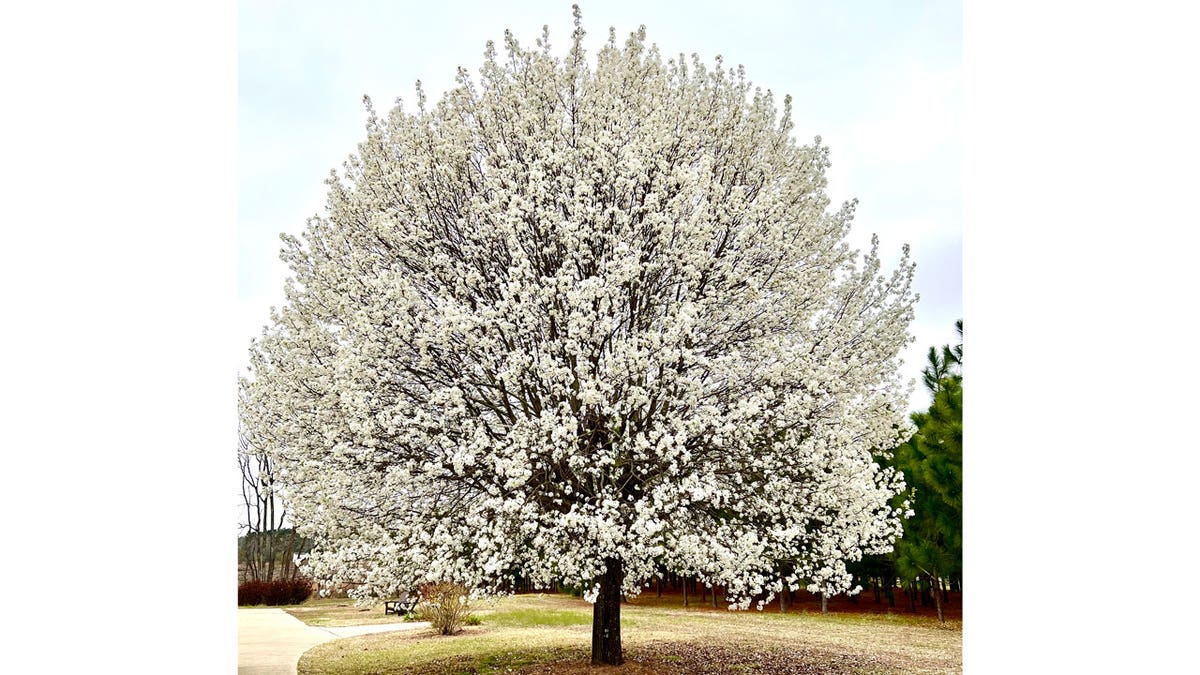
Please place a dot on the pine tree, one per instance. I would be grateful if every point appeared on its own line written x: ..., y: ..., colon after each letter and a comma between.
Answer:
x: 932, y: 465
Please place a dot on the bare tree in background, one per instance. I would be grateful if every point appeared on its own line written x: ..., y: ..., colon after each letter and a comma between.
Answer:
x: 266, y: 548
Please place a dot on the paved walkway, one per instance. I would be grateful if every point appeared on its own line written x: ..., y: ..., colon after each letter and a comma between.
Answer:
x: 270, y: 641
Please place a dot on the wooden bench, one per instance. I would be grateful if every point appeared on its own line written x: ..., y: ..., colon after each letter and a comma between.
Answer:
x: 402, y: 605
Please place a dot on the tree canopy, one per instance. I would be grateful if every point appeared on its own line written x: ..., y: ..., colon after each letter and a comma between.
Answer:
x: 582, y: 321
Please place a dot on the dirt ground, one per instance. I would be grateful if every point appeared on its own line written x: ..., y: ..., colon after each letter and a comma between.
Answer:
x: 682, y: 659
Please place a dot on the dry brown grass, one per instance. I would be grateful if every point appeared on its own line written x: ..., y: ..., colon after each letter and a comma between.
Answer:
x: 340, y: 612
x: 552, y: 634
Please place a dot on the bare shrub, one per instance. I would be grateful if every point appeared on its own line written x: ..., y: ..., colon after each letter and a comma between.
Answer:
x: 445, y: 605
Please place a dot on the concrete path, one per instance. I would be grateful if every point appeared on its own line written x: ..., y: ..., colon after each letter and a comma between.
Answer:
x: 270, y: 641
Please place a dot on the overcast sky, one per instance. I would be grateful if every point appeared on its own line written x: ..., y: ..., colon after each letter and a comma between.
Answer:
x: 880, y: 82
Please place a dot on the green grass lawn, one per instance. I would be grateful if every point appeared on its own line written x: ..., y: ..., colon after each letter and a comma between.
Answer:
x: 552, y: 634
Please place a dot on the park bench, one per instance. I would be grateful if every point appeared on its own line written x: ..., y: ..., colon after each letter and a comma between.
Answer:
x: 400, y: 606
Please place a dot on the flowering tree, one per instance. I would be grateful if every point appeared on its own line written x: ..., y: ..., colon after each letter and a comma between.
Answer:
x: 578, y: 322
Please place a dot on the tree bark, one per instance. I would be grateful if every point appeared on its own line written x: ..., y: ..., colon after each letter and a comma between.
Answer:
x: 782, y: 592
x: 606, y: 617
x: 824, y: 603
x: 937, y: 601
x: 685, y: 585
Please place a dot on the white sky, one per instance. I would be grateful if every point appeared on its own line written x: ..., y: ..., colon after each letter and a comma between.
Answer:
x: 879, y: 82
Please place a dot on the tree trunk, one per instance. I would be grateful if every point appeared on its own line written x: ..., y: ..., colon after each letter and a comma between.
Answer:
x: 660, y: 585
x: 937, y: 601
x: 270, y: 532
x: 289, y: 557
x: 714, y: 595
x: 824, y: 603
x: 252, y: 557
x: 912, y: 596
x: 606, y: 617
x: 685, y: 585
x: 782, y: 592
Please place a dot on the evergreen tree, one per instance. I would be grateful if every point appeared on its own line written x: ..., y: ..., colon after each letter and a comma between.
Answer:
x: 932, y: 464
